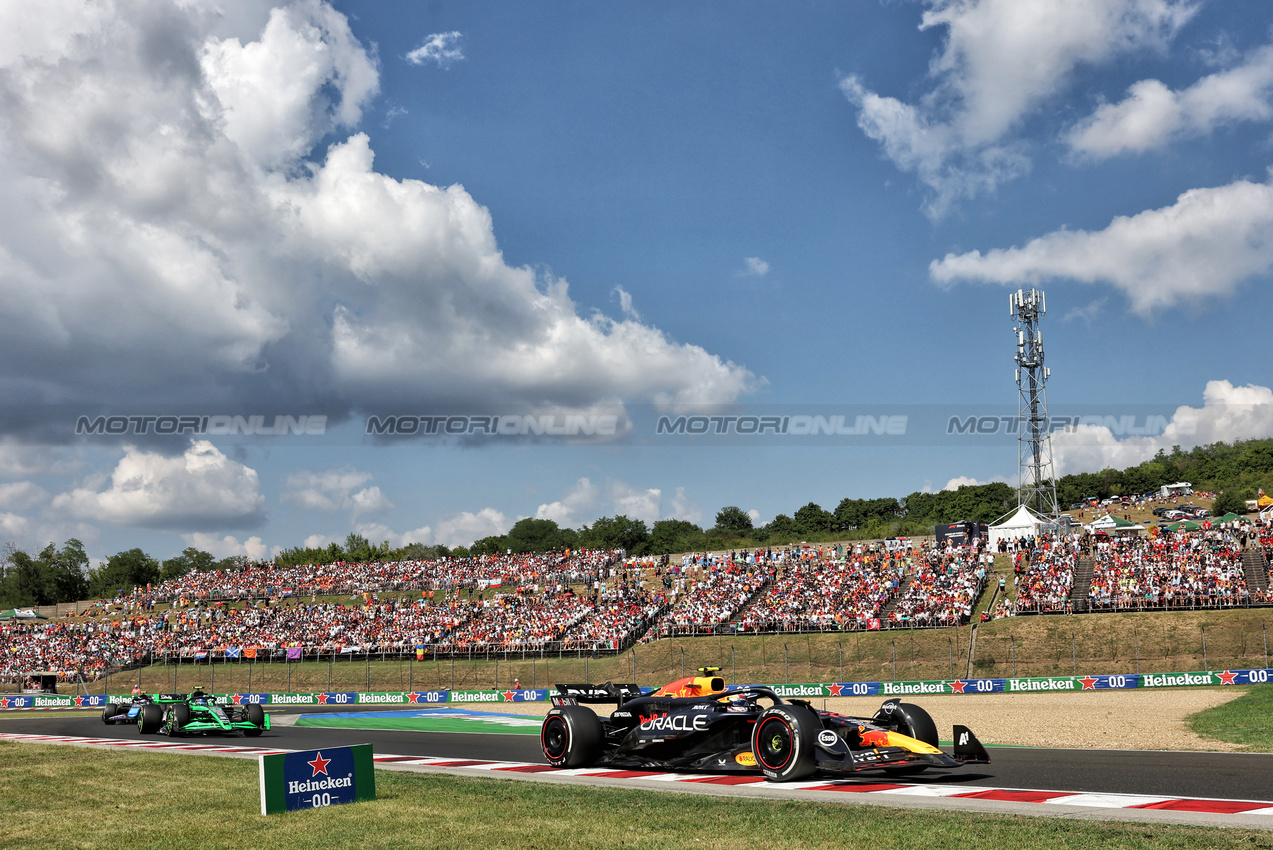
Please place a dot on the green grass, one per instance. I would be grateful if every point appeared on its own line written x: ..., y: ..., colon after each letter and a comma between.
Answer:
x: 78, y: 797
x: 1247, y: 720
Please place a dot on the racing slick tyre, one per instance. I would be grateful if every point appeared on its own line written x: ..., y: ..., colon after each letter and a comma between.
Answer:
x: 151, y: 718
x: 782, y: 742
x: 180, y: 718
x: 571, y: 736
x: 916, y: 723
x: 255, y: 715
x: 108, y: 712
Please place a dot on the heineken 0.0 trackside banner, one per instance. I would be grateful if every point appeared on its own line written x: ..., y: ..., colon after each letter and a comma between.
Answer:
x: 809, y: 690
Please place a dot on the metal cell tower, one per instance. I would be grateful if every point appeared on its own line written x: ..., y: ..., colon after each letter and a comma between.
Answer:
x: 1036, y: 487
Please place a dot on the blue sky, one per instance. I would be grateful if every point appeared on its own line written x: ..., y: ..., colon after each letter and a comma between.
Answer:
x: 372, y: 208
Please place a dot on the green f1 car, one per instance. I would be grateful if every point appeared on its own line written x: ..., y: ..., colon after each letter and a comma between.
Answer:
x: 198, y: 713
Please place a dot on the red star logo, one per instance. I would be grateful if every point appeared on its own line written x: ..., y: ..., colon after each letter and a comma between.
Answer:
x: 508, y: 695
x: 957, y: 687
x: 1089, y: 683
x: 238, y: 699
x: 413, y: 697
x: 322, y: 699
x: 835, y: 690
x: 4, y: 702
x: 1226, y: 678
x: 319, y: 764
x: 79, y: 701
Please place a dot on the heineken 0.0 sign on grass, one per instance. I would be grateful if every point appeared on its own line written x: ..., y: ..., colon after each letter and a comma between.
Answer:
x: 314, y: 779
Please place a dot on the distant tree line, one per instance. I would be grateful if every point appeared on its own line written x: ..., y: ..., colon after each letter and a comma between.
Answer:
x: 1240, y: 470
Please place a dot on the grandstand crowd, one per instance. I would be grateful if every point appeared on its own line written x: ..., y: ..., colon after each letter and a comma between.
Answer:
x: 602, y: 601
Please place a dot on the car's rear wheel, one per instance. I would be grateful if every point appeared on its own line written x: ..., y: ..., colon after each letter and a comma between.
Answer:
x: 108, y: 712
x: 150, y: 719
x: 180, y: 719
x: 571, y: 736
x: 782, y: 742
x: 255, y: 715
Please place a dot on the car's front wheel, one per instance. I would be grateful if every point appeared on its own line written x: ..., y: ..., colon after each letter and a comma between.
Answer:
x: 150, y: 719
x: 255, y: 715
x: 108, y: 712
x: 782, y: 742
x: 571, y: 736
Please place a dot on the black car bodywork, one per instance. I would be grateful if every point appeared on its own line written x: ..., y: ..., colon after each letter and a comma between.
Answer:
x: 699, y: 724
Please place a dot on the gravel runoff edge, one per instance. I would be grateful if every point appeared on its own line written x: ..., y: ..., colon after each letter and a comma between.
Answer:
x: 1103, y: 720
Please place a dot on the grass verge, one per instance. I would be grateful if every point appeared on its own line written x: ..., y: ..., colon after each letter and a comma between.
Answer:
x: 1247, y: 720
x: 91, y: 798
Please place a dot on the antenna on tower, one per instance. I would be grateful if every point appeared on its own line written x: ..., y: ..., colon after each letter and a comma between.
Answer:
x: 1036, y: 486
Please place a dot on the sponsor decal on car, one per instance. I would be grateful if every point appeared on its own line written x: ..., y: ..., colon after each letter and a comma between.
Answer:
x: 674, y: 723
x: 747, y: 759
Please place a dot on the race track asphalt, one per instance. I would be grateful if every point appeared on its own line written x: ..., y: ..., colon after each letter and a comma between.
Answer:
x: 1179, y: 774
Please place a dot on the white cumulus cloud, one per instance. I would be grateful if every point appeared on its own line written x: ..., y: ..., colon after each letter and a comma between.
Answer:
x: 228, y: 546
x: 200, y: 489
x: 1203, y: 245
x: 335, y: 490
x: 461, y: 529
x: 21, y: 495
x: 160, y: 171
x: 1000, y: 60
x: 441, y: 47
x: 576, y: 508
x: 1152, y: 115
x: 1228, y: 413
x: 377, y: 533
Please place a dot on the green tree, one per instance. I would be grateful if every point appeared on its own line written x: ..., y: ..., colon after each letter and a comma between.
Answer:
x: 781, y: 526
x: 733, y: 520
x: 190, y: 560
x: 29, y: 580
x: 536, y: 535
x: 812, y: 519
x: 123, y: 571
x: 617, y: 532
x: 675, y: 535
x: 1228, y: 501
x: 67, y: 570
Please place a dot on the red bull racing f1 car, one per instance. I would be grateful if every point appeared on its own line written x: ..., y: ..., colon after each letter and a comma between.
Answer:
x: 697, y: 723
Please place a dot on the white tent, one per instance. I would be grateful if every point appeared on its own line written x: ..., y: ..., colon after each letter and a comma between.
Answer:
x: 1022, y: 522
